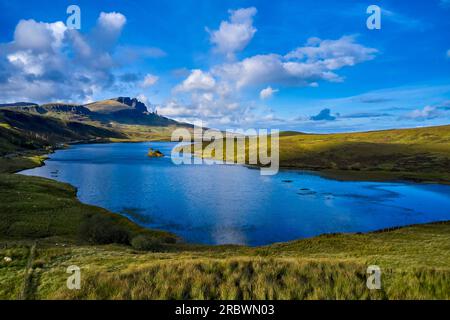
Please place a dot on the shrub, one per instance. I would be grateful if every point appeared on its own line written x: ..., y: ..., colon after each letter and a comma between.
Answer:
x: 146, y: 243
x: 100, y: 229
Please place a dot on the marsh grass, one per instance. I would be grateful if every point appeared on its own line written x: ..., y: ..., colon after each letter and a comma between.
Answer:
x: 239, y: 277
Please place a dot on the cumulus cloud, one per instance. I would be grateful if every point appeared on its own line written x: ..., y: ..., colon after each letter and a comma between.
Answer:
x: 197, y: 80
x: 108, y: 29
x: 235, y: 34
x: 218, y: 92
x: 149, y: 80
x: 333, y: 54
x: 267, y: 93
x: 214, y: 107
x: 174, y: 109
x: 324, y: 115
x: 112, y: 21
x: 47, y: 61
x: 317, y: 60
x: 38, y: 36
x: 428, y: 112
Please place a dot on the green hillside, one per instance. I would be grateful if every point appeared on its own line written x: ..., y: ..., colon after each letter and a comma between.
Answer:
x: 121, y: 110
x: 419, y: 154
x: 127, y: 118
x: 22, y: 131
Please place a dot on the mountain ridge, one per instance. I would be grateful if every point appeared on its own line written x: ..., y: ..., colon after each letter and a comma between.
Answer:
x: 120, y: 110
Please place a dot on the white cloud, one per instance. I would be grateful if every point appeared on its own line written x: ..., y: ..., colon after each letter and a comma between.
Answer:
x: 149, y: 80
x: 108, y: 29
x: 129, y: 54
x: 46, y: 61
x: 448, y: 53
x: 220, y: 92
x: 197, y: 80
x: 332, y: 54
x: 428, y: 112
x: 174, y: 109
x: 267, y: 93
x: 235, y: 34
x: 113, y: 21
x: 39, y: 36
x: 317, y: 60
x: 143, y: 98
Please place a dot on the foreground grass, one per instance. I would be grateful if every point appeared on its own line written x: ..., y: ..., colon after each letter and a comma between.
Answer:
x: 415, y: 264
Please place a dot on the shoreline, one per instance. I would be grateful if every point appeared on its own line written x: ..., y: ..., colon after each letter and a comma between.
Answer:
x: 45, y: 157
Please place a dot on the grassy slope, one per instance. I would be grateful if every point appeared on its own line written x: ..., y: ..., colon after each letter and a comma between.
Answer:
x: 60, y: 124
x: 21, y: 131
x: 421, y: 154
x: 107, y: 106
x: 138, y: 133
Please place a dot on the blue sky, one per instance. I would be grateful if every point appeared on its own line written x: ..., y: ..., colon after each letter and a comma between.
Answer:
x: 306, y: 65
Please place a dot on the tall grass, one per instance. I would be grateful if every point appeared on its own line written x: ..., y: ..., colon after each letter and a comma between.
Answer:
x: 257, y: 278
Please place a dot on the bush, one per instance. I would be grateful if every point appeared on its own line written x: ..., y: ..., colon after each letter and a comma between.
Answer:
x: 146, y: 243
x: 100, y: 229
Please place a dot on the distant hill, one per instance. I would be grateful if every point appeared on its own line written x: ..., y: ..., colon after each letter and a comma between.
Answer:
x: 417, y: 154
x: 125, y: 110
x: 290, y: 133
x: 17, y: 104
x: 25, y: 125
x: 121, y: 110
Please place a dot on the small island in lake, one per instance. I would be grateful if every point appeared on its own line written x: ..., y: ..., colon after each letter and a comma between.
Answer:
x: 155, y: 153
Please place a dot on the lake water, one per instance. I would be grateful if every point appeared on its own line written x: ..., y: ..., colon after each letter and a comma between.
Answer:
x: 219, y: 204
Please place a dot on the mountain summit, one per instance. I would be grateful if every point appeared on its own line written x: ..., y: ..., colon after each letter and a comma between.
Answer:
x: 117, y: 104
